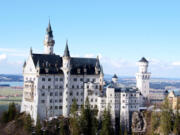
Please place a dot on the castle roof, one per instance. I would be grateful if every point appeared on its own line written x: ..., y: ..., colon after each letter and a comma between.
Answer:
x: 51, y: 64
x: 143, y: 60
x: 66, y: 51
x: 115, y: 76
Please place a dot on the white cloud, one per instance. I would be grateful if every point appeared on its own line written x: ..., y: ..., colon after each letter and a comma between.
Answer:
x: 89, y: 55
x: 177, y: 63
x: 3, y: 57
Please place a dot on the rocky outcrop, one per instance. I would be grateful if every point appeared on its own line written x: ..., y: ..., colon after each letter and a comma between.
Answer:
x: 138, y: 122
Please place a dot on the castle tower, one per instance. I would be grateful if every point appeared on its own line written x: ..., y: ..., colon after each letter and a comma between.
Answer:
x: 115, y: 78
x: 143, y: 77
x: 66, y: 69
x: 48, y: 41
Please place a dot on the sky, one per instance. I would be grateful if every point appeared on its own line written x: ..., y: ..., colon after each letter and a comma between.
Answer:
x: 120, y: 32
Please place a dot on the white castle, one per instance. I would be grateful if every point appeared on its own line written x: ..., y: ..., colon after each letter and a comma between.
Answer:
x: 52, y: 82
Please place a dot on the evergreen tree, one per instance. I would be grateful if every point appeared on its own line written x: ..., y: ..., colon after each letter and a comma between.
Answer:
x: 125, y: 132
x: 28, y: 123
x: 74, y: 119
x: 11, y: 111
x: 64, y: 128
x: 10, y: 114
x: 166, y: 118
x: 38, y: 127
x: 176, y: 128
x: 154, y: 121
x: 107, y: 128
x: 88, y: 121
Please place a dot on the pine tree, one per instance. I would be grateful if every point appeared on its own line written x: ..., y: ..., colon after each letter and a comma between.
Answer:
x: 154, y: 121
x: 38, y: 127
x: 28, y: 123
x: 166, y: 118
x: 107, y: 128
x: 74, y: 119
x: 88, y: 121
x: 176, y: 128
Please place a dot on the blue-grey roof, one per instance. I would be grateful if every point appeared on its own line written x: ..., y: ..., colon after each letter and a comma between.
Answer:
x: 66, y: 51
x: 143, y: 60
x: 53, y: 63
x: 49, y: 30
x: 115, y: 76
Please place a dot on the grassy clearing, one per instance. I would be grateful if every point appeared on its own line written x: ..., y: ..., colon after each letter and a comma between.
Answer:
x: 11, y: 93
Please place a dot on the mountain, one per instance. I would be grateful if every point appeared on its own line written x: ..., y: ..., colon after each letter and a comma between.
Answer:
x: 10, y: 78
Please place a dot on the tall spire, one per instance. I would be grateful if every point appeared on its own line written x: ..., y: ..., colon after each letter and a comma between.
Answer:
x: 97, y: 62
x: 49, y: 41
x: 31, y: 51
x: 66, y: 51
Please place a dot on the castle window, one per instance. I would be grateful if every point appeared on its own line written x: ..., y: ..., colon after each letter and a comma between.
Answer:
x: 51, y: 100
x: 43, y: 87
x: 56, y: 93
x: 49, y: 87
x: 51, y: 94
x: 81, y: 79
x: 96, y: 86
x: 81, y: 86
x: 60, y: 100
x: 81, y: 93
x: 42, y: 101
x: 81, y: 99
x: 88, y: 86
x: 55, y: 101
x: 56, y: 107
x: 61, y: 79
x: 72, y: 86
x: 75, y: 79
x: 95, y: 100
x: 56, y: 79
x: 77, y: 93
x: 60, y: 107
x: 56, y: 86
x: 50, y: 107
x: 91, y: 99
x: 87, y: 79
x: 49, y: 79
x: 60, y: 93
x: 77, y: 86
x: 70, y: 93
x: 60, y: 86
x: 94, y: 79
x: 43, y: 94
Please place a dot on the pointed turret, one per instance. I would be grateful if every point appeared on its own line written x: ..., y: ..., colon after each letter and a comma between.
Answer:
x: 31, y: 51
x: 49, y: 41
x: 66, y: 51
x: 97, y: 62
x: 115, y: 78
x: 143, y: 59
x: 49, y: 30
x: 37, y: 65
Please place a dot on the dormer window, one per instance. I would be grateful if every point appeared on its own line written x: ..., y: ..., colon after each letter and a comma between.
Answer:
x: 78, y: 70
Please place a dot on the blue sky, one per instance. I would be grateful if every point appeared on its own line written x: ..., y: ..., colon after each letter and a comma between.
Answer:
x: 121, y: 32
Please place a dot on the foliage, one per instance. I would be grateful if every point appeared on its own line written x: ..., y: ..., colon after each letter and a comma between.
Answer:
x: 107, y: 128
x: 176, y: 128
x: 10, y: 114
x: 166, y: 118
x: 154, y: 121
x: 74, y: 123
x: 38, y: 127
x: 28, y: 123
x: 88, y: 121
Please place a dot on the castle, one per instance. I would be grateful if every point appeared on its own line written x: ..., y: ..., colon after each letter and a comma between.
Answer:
x: 52, y: 82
